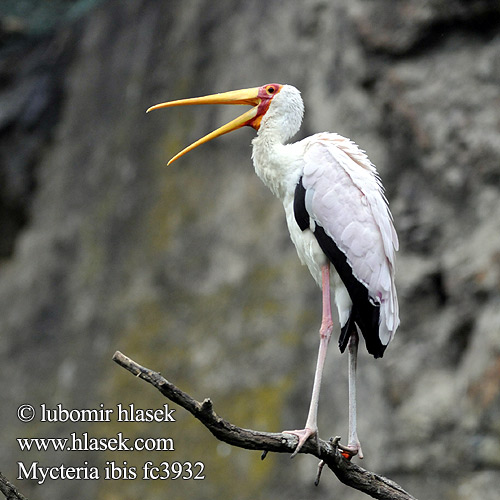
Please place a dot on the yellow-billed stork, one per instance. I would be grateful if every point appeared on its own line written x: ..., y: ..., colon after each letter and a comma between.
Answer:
x: 336, y: 213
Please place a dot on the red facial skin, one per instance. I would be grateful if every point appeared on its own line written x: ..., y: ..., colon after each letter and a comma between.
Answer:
x: 266, y: 94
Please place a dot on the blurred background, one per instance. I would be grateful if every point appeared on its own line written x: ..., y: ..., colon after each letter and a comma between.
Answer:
x: 189, y: 269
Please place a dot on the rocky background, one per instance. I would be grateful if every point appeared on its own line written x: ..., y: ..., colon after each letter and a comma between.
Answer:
x: 189, y: 269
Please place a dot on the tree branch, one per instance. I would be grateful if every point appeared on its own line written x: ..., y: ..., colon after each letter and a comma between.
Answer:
x: 347, y: 472
x: 9, y: 490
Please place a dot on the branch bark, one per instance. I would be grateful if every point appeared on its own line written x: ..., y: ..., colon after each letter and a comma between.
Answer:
x: 347, y: 472
x: 9, y: 490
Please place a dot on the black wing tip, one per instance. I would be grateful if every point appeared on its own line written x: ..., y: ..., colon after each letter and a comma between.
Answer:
x: 376, y: 351
x: 379, y: 353
x: 343, y: 343
x: 346, y: 331
x: 374, y: 347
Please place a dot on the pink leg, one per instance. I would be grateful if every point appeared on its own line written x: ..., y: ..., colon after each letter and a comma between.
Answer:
x: 325, y: 332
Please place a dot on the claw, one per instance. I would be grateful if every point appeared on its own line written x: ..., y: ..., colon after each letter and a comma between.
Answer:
x: 303, y: 435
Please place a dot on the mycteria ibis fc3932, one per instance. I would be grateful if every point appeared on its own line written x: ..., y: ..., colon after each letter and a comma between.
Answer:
x: 336, y: 213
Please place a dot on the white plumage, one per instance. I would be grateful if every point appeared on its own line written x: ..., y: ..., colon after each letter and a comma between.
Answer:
x: 344, y: 195
x: 336, y: 213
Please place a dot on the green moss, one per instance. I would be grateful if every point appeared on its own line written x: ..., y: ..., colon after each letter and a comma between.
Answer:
x: 177, y: 200
x: 161, y: 333
x: 152, y: 340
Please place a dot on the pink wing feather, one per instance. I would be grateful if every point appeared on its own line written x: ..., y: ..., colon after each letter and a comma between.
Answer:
x: 345, y: 196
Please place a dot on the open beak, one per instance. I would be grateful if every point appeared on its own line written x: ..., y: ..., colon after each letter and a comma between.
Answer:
x: 245, y: 96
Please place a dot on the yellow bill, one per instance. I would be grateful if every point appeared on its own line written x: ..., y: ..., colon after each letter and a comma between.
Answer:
x: 249, y: 97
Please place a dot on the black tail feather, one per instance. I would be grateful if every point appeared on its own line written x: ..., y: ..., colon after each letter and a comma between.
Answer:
x: 346, y: 331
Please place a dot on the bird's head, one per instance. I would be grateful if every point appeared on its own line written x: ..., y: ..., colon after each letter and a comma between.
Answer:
x: 281, y: 104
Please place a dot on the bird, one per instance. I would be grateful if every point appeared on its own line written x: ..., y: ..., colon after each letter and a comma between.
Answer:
x: 339, y: 221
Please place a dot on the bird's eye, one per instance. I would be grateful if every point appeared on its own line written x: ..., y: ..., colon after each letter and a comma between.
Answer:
x: 271, y: 90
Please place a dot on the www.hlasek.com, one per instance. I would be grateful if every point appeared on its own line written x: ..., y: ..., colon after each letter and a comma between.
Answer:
x: 85, y: 442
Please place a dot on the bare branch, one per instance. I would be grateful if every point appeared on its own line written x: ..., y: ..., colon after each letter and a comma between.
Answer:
x: 349, y: 473
x: 9, y: 490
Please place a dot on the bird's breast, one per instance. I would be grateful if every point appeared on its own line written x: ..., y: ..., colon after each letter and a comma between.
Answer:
x: 308, y: 249
x: 279, y: 166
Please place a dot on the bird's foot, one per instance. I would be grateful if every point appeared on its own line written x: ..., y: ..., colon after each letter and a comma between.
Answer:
x: 351, y: 450
x: 334, y: 441
x: 303, y: 435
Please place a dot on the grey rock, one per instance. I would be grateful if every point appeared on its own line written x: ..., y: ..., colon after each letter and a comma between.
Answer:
x: 189, y: 269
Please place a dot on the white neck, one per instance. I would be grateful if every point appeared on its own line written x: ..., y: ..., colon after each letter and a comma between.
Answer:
x: 275, y: 162
x: 278, y: 165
